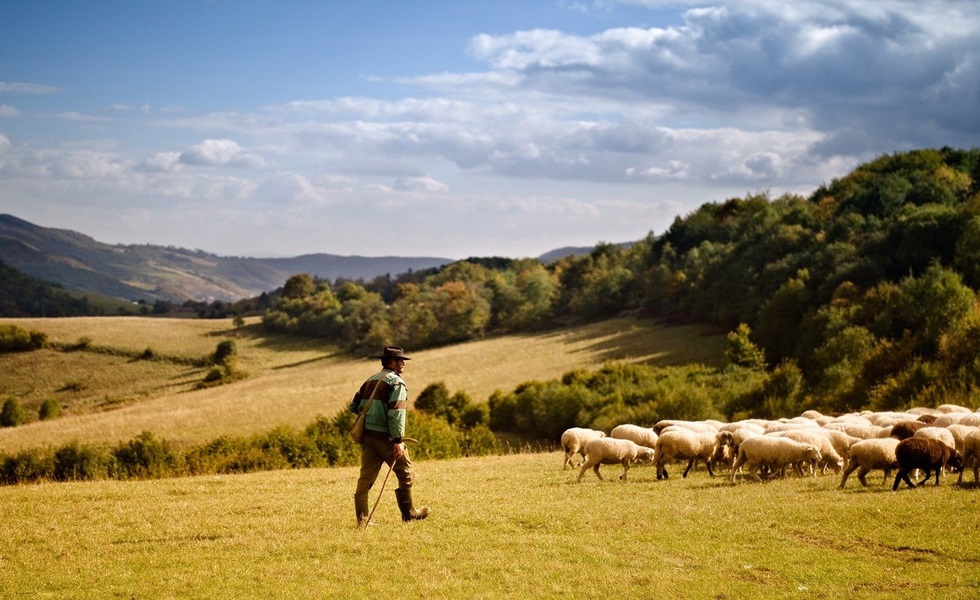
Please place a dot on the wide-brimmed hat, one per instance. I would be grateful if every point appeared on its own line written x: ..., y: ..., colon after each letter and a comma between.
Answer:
x: 393, y: 352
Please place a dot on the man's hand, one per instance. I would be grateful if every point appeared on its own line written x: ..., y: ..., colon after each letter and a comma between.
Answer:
x: 399, y: 451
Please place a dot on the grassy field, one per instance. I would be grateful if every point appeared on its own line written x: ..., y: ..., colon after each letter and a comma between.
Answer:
x: 109, y: 395
x: 512, y: 526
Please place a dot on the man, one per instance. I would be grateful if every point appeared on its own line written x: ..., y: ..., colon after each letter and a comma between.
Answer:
x: 384, y: 428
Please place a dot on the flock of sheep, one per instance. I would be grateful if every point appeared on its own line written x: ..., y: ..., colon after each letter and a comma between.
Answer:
x: 919, y: 440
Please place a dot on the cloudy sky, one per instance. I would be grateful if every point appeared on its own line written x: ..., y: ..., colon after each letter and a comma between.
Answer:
x: 454, y: 129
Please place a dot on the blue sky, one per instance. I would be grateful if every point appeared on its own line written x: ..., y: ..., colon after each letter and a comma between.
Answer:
x: 456, y: 129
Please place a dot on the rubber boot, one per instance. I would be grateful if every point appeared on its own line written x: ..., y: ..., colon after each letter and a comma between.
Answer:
x: 409, y: 512
x: 361, y: 509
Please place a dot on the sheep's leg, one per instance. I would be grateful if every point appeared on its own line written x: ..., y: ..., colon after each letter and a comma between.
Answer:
x: 596, y: 469
x: 861, y: 476
x: 690, y: 464
x: 902, y: 476
x: 585, y: 467
x: 626, y: 469
x: 708, y: 465
x: 847, y: 473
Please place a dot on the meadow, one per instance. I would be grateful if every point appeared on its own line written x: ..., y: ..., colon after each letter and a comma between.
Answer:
x: 513, y: 526
x: 510, y: 526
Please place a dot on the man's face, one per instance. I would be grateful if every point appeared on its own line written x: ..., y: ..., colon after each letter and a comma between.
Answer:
x: 397, y: 364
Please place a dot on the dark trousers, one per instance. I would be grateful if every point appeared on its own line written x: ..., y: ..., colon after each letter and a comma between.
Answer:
x: 375, y: 453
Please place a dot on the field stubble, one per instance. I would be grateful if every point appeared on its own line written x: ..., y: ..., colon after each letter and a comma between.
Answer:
x: 111, y: 396
x: 502, y: 527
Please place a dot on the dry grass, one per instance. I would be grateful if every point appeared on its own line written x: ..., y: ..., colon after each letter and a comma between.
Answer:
x: 290, y: 380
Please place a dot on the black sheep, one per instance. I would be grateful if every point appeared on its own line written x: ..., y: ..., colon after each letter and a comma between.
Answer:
x: 926, y: 454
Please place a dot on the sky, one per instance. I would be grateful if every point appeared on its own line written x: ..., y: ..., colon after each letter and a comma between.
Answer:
x: 454, y: 129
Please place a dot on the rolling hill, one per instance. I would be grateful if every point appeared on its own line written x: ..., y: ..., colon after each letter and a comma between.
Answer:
x: 147, y: 272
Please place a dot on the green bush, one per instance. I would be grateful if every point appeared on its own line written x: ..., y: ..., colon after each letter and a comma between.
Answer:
x: 14, y: 338
x: 479, y: 441
x: 28, y: 466
x: 50, y: 410
x: 332, y: 440
x: 146, y: 457
x: 11, y: 415
x: 74, y: 462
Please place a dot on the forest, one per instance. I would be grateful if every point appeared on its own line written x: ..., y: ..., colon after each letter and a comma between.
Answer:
x: 862, y: 295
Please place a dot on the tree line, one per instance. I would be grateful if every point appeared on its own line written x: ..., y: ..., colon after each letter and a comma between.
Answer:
x: 862, y: 294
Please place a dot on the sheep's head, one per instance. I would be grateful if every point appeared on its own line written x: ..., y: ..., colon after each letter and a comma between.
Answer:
x: 645, y: 454
x: 813, y: 453
x: 955, y: 461
x: 725, y: 438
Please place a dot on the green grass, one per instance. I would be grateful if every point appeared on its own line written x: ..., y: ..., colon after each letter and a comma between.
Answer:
x: 511, y: 526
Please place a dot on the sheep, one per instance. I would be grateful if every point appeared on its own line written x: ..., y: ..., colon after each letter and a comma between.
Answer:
x: 574, y: 439
x: 841, y: 441
x: 972, y: 419
x: 906, y: 429
x: 643, y: 436
x: 971, y: 455
x: 947, y: 419
x: 926, y: 454
x: 960, y: 432
x: 937, y: 433
x: 868, y: 455
x: 952, y: 408
x: 865, y: 432
x: 698, y: 426
x: 773, y: 452
x: 611, y: 451
x: 822, y: 442
x: 681, y: 444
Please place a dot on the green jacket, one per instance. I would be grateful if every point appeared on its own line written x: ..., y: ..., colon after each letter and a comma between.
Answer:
x: 387, y: 412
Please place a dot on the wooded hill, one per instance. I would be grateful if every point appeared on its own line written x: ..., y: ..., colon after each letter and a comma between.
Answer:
x: 862, y: 294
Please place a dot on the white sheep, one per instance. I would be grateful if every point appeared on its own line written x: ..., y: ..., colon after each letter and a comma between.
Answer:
x: 960, y: 431
x: 818, y: 437
x: 774, y: 453
x: 947, y: 419
x: 842, y: 442
x: 643, y: 436
x: 868, y: 455
x: 610, y: 451
x: 865, y: 432
x: 698, y: 426
x: 953, y: 408
x: 937, y: 433
x: 971, y: 455
x: 682, y: 444
x: 574, y: 439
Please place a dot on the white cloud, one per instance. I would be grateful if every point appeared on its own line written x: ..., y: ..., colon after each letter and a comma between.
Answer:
x: 8, y: 111
x: 26, y: 88
x: 220, y: 153
x: 421, y: 184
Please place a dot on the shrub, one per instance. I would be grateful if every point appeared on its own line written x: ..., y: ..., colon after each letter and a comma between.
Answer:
x: 50, y: 410
x: 11, y: 415
x: 298, y: 451
x: 28, y: 466
x: 146, y: 457
x: 14, y: 338
x: 330, y: 436
x: 73, y: 462
x: 436, y: 438
x: 479, y: 441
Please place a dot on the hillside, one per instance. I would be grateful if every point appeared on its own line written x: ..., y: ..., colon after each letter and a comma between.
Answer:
x: 147, y: 272
x: 109, y: 394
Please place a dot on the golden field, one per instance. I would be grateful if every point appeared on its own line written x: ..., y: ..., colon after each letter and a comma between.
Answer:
x: 109, y: 395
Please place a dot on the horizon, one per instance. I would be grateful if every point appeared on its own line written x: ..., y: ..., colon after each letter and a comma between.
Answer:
x: 458, y: 129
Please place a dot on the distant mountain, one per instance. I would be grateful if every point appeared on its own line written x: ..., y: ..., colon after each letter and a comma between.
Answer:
x: 145, y: 272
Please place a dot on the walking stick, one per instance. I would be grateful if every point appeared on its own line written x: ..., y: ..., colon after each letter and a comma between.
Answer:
x: 390, y: 468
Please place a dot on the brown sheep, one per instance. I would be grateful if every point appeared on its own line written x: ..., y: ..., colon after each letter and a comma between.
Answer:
x: 926, y: 454
x: 906, y: 429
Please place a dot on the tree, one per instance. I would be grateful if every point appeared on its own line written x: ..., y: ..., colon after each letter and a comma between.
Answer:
x: 12, y: 415
x: 742, y: 352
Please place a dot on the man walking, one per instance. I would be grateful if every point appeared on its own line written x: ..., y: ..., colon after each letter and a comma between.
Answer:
x: 384, y: 428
